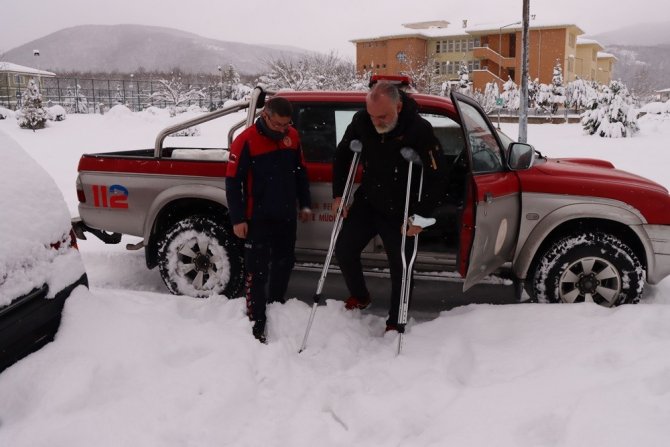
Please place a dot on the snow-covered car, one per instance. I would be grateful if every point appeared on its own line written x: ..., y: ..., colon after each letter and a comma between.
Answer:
x: 39, y: 261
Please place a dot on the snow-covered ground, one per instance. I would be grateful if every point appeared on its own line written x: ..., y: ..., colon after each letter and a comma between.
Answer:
x: 135, y: 366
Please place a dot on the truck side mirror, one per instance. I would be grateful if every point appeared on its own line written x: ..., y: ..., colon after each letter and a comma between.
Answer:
x: 521, y: 156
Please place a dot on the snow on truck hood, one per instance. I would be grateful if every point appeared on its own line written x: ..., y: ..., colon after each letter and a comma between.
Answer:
x: 598, y: 179
x: 34, y: 216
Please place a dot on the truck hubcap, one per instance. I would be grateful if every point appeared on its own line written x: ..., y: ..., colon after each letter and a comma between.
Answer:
x: 590, y: 279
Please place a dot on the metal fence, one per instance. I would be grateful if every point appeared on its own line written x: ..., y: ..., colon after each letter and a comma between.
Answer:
x: 99, y: 95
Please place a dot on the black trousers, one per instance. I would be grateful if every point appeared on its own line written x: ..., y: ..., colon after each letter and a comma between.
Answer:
x: 269, y: 257
x: 360, y: 226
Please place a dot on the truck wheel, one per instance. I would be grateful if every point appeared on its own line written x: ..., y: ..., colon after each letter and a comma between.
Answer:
x: 199, y: 257
x: 588, y: 267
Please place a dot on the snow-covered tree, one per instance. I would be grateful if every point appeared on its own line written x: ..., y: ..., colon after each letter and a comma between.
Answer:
x: 489, y: 97
x: 424, y: 75
x: 557, y: 89
x: 118, y: 96
x: 580, y: 93
x: 464, y: 84
x: 533, y: 92
x: 75, y: 101
x: 611, y: 114
x: 313, y: 72
x: 510, y: 95
x: 32, y: 115
x: 176, y: 94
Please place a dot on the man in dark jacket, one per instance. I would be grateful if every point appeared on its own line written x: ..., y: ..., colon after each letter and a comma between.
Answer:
x: 265, y: 181
x: 389, y: 123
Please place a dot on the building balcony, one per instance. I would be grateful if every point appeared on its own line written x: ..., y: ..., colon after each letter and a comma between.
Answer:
x: 495, y: 57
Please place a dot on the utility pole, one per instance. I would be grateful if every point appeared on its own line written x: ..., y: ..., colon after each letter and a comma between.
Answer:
x: 523, y: 105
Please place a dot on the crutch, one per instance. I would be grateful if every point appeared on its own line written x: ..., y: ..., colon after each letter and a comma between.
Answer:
x: 412, y: 158
x: 356, y: 146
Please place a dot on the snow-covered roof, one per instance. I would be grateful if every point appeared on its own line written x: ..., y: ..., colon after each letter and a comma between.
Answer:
x: 585, y: 41
x: 16, y: 68
x: 665, y: 90
x: 443, y: 28
x: 603, y: 55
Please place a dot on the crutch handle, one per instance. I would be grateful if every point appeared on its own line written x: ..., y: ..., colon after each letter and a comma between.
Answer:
x: 356, y: 146
x: 410, y: 155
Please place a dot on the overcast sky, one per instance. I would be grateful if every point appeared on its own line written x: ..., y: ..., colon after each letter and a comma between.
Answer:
x: 309, y: 24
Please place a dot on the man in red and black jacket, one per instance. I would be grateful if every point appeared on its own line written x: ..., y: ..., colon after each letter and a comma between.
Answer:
x: 265, y: 181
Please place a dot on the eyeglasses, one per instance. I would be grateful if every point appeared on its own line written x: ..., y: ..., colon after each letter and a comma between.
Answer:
x: 277, y: 124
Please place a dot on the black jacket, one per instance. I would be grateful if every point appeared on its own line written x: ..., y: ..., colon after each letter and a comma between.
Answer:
x: 385, y: 171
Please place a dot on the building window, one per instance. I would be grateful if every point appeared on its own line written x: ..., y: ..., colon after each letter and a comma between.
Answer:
x: 401, y: 56
x: 570, y: 64
x: 17, y: 79
x: 571, y: 40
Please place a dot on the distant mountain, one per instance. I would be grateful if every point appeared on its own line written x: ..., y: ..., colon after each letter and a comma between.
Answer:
x: 643, y: 56
x: 644, y: 34
x: 126, y: 48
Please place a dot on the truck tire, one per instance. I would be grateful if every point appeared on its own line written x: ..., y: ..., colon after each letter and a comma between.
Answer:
x: 199, y: 257
x: 588, y: 267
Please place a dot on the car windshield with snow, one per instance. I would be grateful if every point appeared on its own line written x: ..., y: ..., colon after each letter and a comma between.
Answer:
x: 564, y: 230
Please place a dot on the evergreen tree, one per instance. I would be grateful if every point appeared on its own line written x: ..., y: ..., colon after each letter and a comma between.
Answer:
x: 32, y: 115
x: 491, y: 94
x: 580, y: 93
x: 533, y: 92
x: 611, y: 114
x: 464, y: 79
x: 557, y: 89
x: 75, y: 102
x: 510, y: 95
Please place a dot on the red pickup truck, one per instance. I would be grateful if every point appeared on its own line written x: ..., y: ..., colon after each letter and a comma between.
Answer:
x: 568, y: 230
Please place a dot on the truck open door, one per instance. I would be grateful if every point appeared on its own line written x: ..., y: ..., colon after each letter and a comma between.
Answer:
x: 491, y: 214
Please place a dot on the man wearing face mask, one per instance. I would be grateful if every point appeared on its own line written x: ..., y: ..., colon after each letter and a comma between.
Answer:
x: 390, y: 122
x: 267, y: 189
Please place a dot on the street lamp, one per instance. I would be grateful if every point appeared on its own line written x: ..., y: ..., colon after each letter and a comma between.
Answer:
x: 500, y: 45
x: 36, y: 53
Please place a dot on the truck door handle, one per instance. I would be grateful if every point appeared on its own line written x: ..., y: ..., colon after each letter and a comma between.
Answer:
x: 488, y: 197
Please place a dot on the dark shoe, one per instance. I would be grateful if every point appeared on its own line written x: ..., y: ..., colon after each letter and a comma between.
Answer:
x: 391, y: 327
x: 259, y: 331
x: 357, y: 303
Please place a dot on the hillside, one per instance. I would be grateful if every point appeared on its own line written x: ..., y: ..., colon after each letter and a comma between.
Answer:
x: 126, y: 48
x: 643, y: 55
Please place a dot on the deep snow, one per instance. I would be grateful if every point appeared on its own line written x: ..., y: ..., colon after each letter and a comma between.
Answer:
x: 133, y: 365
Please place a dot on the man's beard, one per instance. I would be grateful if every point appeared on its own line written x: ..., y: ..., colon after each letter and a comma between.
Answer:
x: 387, y: 127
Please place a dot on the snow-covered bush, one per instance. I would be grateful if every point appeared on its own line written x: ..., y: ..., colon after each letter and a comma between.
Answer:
x: 611, y: 114
x: 119, y: 110
x: 56, y: 113
x: 32, y: 115
x: 5, y: 113
x: 75, y: 101
x: 176, y: 95
x: 193, y: 131
x: 656, y: 108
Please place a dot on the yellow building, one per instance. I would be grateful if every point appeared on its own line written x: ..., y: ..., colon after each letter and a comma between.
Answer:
x: 14, y: 79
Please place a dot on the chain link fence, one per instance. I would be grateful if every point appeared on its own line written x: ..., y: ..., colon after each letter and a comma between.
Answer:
x: 99, y: 95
